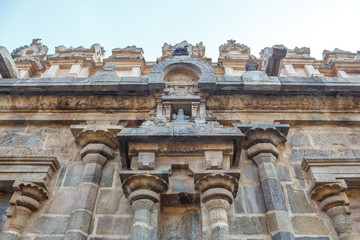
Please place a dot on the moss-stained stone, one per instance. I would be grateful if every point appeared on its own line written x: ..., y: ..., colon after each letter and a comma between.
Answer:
x: 305, y: 225
x: 298, y: 201
x: 50, y: 225
x: 107, y: 175
x: 73, y: 175
x: 255, y: 225
x: 249, y: 200
x: 111, y: 225
x: 109, y: 201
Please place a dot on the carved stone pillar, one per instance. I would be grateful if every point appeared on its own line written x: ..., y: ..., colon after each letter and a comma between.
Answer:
x: 25, y: 200
x: 217, y: 192
x: 335, y: 203
x: 261, y: 143
x: 143, y: 191
x: 97, y: 142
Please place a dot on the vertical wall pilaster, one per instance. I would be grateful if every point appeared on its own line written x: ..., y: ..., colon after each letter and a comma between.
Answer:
x: 97, y: 144
x: 261, y: 143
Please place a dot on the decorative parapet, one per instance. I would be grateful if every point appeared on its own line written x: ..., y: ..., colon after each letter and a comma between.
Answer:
x: 232, y: 49
x: 128, y: 52
x: 303, y: 52
x: 337, y: 55
x: 36, y: 50
x: 94, y: 53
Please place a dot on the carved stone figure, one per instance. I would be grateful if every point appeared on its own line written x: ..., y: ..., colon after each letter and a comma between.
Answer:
x: 182, y: 49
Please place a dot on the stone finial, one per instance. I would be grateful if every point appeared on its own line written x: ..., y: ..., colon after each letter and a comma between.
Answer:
x: 106, y: 134
x: 95, y: 53
x: 231, y: 49
x: 8, y: 68
x: 252, y: 64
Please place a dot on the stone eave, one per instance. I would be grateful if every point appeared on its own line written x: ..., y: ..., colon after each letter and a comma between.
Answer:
x: 141, y: 86
x: 193, y: 133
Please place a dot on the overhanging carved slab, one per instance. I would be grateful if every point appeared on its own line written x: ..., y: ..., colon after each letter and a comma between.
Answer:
x: 36, y: 169
x: 328, y: 170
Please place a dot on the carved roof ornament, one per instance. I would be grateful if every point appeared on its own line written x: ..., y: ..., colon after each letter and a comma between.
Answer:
x: 231, y: 49
x: 106, y: 134
x: 303, y: 52
x: 337, y: 55
x: 252, y: 64
x: 129, y: 52
x: 191, y: 50
x: 36, y: 49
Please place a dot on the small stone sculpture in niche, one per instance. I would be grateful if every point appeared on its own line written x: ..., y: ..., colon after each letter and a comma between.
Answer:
x: 180, y: 117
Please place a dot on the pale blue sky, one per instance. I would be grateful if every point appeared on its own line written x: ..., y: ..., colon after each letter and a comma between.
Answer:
x: 318, y: 24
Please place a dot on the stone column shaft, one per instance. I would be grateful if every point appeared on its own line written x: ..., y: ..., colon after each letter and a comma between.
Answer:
x: 141, y: 229
x: 217, y: 209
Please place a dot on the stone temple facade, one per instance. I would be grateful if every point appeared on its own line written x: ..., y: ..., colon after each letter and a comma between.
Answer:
x: 182, y: 148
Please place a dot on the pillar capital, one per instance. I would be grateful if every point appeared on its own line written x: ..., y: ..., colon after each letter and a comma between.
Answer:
x: 26, y: 199
x: 267, y: 133
x: 321, y: 191
x: 105, y: 134
x: 144, y: 186
x: 217, y: 186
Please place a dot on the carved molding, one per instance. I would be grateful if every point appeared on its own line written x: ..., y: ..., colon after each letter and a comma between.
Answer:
x: 36, y: 169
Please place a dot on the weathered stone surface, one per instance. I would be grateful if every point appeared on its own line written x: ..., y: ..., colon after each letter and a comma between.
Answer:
x: 105, y: 238
x: 248, y: 225
x: 62, y: 202
x: 61, y: 176
x: 299, y: 155
x: 74, y: 236
x: 80, y: 220
x: 50, y: 225
x: 283, y: 173
x: 249, y: 200
x: 283, y: 236
x: 251, y: 172
x: 109, y: 201
x: 107, y: 176
x: 49, y: 238
x: 279, y: 221
x: 305, y: 225
x: 273, y: 195
x: 73, y: 175
x: 299, y: 140
x: 298, y: 171
x: 298, y: 201
x: 8, y: 68
x: 312, y: 238
x: 111, y: 225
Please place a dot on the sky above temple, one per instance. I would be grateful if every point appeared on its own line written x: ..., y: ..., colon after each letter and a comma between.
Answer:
x: 318, y: 24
